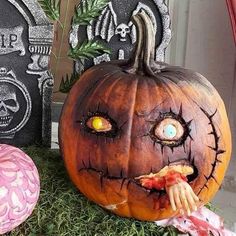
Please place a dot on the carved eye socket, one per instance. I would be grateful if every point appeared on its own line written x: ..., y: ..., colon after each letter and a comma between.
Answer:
x: 10, y: 102
x: 169, y: 130
x: 99, y: 124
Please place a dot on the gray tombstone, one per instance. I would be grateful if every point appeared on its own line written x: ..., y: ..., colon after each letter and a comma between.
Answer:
x: 26, y: 85
x: 115, y: 29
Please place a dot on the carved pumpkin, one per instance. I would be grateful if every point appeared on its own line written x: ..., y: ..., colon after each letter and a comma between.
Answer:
x: 129, y: 119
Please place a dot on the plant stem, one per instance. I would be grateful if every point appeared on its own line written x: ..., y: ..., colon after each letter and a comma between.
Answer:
x: 60, y: 23
x: 63, y: 34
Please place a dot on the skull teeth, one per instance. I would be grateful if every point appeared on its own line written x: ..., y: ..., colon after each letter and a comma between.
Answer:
x: 5, y: 120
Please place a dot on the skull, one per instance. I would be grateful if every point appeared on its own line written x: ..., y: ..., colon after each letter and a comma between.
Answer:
x: 3, y: 71
x: 8, y: 105
x: 122, y: 30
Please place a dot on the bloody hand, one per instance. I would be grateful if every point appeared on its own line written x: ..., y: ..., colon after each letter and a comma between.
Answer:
x: 173, y: 179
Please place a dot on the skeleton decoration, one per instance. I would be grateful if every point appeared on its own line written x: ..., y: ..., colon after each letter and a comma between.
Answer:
x: 11, y: 92
x: 115, y: 29
x: 25, y: 82
x: 8, y: 105
x: 123, y: 30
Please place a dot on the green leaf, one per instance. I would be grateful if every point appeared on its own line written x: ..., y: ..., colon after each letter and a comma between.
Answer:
x: 88, y: 10
x: 211, y: 207
x: 88, y: 49
x: 67, y: 83
x: 51, y: 8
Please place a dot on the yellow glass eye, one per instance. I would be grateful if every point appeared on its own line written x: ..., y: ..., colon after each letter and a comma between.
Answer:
x: 99, y: 124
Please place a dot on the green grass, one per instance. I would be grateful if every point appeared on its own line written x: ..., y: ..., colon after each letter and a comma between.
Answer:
x: 62, y: 210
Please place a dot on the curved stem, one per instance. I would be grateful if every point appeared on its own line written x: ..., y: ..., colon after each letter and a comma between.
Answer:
x: 149, y: 43
x: 136, y: 61
x: 144, y: 52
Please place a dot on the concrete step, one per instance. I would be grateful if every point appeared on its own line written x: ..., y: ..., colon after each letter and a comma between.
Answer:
x: 225, y: 201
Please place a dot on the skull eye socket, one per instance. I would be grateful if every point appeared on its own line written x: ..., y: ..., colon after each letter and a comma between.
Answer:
x: 10, y: 102
x: 99, y: 124
x: 169, y: 130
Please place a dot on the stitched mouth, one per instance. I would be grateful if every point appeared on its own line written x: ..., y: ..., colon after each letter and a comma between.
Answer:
x: 135, y: 180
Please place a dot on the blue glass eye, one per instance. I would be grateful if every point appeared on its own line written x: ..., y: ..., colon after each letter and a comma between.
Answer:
x: 170, y: 131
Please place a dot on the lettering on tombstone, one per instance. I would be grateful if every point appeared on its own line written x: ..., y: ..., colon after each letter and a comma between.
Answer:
x: 115, y: 29
x: 11, y: 40
x: 26, y: 85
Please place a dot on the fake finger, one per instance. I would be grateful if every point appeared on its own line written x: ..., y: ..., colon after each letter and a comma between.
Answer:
x: 195, y: 197
x: 172, y: 200
x: 176, y: 192
x: 190, y: 190
x: 191, y: 199
x: 184, y: 200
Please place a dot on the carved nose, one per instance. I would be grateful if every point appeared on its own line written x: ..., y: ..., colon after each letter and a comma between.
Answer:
x: 3, y: 109
x: 123, y: 33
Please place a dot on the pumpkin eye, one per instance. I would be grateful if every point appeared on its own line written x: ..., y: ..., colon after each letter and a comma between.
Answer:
x: 169, y: 130
x: 99, y: 124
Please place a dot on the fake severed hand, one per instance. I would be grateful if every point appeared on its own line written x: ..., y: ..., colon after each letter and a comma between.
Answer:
x: 174, y: 180
x: 182, y: 197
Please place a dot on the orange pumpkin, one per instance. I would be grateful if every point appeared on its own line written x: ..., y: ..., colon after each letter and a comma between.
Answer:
x: 131, y: 118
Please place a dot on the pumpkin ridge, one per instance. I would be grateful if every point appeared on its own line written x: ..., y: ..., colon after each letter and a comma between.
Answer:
x: 130, y: 142
x: 112, y: 84
x: 105, y: 161
x: 86, y: 93
x: 102, y: 82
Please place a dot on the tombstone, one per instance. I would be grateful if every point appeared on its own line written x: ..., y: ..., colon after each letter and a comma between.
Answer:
x: 116, y: 31
x: 25, y: 83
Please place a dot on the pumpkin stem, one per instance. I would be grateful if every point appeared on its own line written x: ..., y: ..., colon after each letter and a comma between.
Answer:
x: 142, y: 60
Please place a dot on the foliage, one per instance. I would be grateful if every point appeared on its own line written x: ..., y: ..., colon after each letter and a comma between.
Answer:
x: 63, y: 211
x: 67, y: 83
x: 211, y: 207
x: 51, y: 8
x: 88, y: 10
x: 88, y: 49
